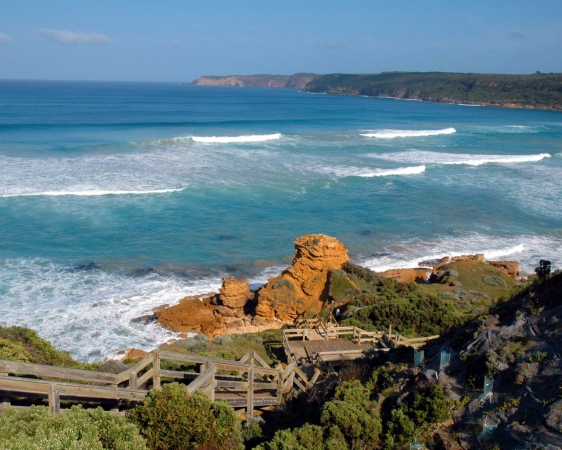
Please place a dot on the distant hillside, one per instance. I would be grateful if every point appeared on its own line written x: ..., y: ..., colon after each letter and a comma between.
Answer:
x: 543, y: 91
x: 297, y: 81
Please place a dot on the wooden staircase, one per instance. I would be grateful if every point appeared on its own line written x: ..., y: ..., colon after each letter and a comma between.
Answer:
x: 246, y: 384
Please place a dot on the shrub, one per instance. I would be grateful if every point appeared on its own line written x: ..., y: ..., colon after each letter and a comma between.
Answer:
x: 359, y: 427
x: 341, y: 287
x: 174, y: 419
x: 543, y: 269
x: 495, y: 281
x: 537, y: 357
x: 430, y: 406
x: 222, y: 340
x: 75, y: 429
x: 13, y: 351
x: 359, y: 273
x: 400, y: 428
x: 23, y: 344
x: 307, y: 437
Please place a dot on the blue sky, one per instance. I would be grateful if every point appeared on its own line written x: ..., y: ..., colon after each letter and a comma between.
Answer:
x: 180, y: 40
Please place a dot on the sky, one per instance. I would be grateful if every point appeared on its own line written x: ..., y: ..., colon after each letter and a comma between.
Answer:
x: 180, y: 40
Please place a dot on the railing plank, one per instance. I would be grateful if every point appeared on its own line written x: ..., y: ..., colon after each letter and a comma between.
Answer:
x: 41, y: 370
x: 202, y: 379
x: 145, y: 377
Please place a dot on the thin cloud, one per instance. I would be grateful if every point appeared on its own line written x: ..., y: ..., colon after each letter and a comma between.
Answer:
x: 67, y: 37
x: 5, y: 39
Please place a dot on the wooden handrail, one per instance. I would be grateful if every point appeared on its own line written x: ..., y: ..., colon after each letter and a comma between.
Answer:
x: 41, y: 370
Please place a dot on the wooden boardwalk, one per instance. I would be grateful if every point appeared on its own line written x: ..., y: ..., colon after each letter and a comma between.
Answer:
x: 341, y: 346
x: 247, y: 384
x: 322, y: 341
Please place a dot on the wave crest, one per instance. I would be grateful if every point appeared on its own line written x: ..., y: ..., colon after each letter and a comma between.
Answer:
x: 424, y: 157
x: 236, y: 139
x: 392, y: 134
x: 370, y: 173
x: 95, y: 193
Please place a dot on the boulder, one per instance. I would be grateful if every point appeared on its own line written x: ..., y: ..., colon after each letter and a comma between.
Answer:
x: 133, y: 353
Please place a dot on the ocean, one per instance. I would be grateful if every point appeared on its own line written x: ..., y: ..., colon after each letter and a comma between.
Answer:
x: 116, y: 198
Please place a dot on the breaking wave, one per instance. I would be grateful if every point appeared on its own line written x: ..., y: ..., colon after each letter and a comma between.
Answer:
x: 392, y: 134
x: 369, y: 173
x: 426, y: 157
x: 93, y: 193
x: 526, y: 249
x: 236, y: 139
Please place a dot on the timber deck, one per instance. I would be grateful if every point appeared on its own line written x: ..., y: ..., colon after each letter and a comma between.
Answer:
x: 341, y: 346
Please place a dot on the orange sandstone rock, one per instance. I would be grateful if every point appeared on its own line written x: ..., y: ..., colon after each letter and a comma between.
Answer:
x: 407, y: 275
x: 303, y: 286
x: 234, y: 293
x: 511, y: 268
x: 134, y: 353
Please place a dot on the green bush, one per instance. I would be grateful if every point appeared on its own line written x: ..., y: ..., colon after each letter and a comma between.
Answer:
x: 340, y: 287
x: 75, y: 429
x: 360, y: 273
x: 400, y: 429
x: 352, y: 415
x: 172, y: 419
x: 23, y: 344
x: 13, y: 351
x: 429, y: 406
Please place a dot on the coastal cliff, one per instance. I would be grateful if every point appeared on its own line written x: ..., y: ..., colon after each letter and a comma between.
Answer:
x: 536, y: 91
x: 296, y: 81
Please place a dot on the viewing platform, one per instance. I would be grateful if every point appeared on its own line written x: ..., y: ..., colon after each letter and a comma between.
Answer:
x: 317, y: 342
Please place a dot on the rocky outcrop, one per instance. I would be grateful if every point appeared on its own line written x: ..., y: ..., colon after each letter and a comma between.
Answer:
x: 234, y: 293
x: 303, y: 286
x: 510, y: 268
x: 407, y: 275
x: 230, y: 311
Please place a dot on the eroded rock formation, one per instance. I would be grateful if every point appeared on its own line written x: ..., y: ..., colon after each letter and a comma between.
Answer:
x: 301, y: 287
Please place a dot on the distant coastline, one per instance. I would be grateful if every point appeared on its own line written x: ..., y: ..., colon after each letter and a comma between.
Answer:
x: 535, y: 91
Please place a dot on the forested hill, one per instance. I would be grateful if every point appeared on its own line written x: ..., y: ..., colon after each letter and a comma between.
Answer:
x: 542, y: 91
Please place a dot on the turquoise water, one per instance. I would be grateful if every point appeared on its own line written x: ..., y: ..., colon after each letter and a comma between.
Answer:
x: 119, y: 197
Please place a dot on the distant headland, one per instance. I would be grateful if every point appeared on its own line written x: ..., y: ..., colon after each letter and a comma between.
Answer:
x: 535, y: 91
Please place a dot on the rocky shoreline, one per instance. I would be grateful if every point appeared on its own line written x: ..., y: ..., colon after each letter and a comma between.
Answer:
x: 306, y: 287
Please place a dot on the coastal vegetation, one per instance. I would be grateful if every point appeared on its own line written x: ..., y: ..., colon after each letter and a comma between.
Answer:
x: 378, y: 402
x: 538, y: 90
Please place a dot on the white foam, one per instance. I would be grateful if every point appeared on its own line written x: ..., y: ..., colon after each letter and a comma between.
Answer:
x: 89, y: 313
x: 236, y: 139
x: 93, y: 193
x: 526, y: 249
x: 392, y: 134
x: 352, y: 171
x: 425, y: 157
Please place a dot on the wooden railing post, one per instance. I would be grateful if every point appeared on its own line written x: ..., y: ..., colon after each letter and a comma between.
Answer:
x: 54, y: 399
x: 156, y: 370
x: 280, y: 384
x: 4, y: 402
x: 133, y: 380
x: 250, y: 392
